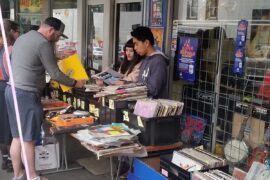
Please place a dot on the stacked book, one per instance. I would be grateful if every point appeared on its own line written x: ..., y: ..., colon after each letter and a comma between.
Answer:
x: 132, y: 91
x: 149, y: 108
x: 110, y: 139
x: 195, y: 159
x: 212, y: 175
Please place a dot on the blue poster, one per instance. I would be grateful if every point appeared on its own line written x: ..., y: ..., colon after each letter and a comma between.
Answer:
x: 239, y: 56
x: 239, y: 52
x: 241, y: 35
x: 187, y: 58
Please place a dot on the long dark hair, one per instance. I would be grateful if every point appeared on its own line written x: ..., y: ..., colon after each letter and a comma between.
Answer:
x: 127, y: 66
x: 10, y: 25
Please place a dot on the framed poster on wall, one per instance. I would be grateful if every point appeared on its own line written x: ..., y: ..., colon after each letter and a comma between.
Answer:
x: 157, y: 12
x: 158, y: 37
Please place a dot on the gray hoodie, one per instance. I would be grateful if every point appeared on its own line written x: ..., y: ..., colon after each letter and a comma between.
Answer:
x: 153, y: 73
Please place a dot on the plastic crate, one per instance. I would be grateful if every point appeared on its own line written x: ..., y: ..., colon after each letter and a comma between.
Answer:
x: 141, y: 171
x: 156, y: 130
x: 113, y: 110
x: 173, y: 172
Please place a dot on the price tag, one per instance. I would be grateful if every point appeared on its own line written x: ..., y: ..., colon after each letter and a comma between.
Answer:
x: 125, y: 116
x: 111, y: 104
x: 103, y: 101
x: 82, y: 104
x: 140, y: 123
x: 96, y: 112
x: 92, y: 108
x: 75, y: 103
x: 69, y: 100
x: 78, y: 103
x: 64, y: 98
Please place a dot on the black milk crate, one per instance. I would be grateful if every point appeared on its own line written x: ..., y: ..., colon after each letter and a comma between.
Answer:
x: 67, y: 97
x: 82, y: 93
x: 155, y: 131
x: 96, y: 109
x: 113, y: 110
x: 174, y: 172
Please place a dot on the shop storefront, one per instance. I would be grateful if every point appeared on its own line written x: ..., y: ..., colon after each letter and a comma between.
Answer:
x: 224, y: 84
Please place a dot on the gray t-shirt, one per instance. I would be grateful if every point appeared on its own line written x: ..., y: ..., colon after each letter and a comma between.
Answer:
x: 32, y: 54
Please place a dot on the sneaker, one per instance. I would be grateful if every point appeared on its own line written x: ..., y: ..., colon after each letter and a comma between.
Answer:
x: 9, y: 166
x: 4, y: 165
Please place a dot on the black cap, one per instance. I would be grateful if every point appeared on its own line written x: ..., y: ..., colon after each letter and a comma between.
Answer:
x: 57, y: 24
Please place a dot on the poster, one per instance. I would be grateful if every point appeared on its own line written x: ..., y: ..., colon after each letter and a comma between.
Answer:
x: 156, y: 13
x: 158, y: 37
x: 186, y: 57
x: 30, y: 6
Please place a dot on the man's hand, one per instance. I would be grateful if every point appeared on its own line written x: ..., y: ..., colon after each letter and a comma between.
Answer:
x: 99, y: 82
x: 80, y: 83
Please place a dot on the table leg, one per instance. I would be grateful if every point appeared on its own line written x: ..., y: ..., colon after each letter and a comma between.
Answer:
x: 63, y: 163
x: 111, y: 165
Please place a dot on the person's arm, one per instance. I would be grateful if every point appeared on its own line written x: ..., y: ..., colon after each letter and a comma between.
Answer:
x: 133, y: 76
x: 157, y: 78
x: 50, y: 64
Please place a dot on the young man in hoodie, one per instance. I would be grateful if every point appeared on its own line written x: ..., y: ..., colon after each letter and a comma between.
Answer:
x: 153, y: 70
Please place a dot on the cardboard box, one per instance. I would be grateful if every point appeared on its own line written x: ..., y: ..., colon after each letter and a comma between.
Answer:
x: 47, y: 157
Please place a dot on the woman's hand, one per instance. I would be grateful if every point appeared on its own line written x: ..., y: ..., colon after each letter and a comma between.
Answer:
x: 120, y: 82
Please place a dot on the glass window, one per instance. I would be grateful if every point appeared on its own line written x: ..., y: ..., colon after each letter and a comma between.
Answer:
x: 95, y: 36
x: 66, y: 11
x: 211, y: 9
x: 192, y: 9
x: 129, y: 16
x: 30, y: 14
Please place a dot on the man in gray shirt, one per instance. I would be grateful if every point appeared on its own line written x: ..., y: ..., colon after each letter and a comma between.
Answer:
x: 32, y: 55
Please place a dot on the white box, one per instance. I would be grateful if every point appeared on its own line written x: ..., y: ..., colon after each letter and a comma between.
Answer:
x: 47, y: 157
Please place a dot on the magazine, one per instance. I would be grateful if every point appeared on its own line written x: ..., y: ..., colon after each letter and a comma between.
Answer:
x: 109, y: 76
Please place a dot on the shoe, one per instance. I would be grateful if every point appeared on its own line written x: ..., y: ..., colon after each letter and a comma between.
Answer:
x: 4, y: 165
x: 40, y: 178
x: 9, y: 166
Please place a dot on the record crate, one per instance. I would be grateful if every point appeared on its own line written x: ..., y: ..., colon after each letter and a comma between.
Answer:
x: 155, y: 131
x: 174, y: 172
x: 85, y: 101
x: 113, y: 110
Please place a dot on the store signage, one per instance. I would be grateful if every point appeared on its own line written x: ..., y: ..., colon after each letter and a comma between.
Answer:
x: 186, y: 56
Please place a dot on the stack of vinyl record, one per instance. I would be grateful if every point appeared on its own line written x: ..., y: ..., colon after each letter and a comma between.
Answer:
x: 195, y: 159
x: 212, y: 175
x: 149, y: 108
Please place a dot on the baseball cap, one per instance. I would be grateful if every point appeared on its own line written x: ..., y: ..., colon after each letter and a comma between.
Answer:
x: 57, y: 24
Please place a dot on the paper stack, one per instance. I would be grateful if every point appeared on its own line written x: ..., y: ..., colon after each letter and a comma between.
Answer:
x: 111, y: 139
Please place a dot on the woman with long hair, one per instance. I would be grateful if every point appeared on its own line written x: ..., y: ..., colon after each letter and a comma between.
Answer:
x: 130, y: 67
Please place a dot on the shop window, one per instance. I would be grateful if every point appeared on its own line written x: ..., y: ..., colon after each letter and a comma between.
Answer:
x: 30, y: 14
x: 95, y: 36
x: 192, y: 9
x: 66, y: 11
x: 211, y: 9
x: 129, y: 16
